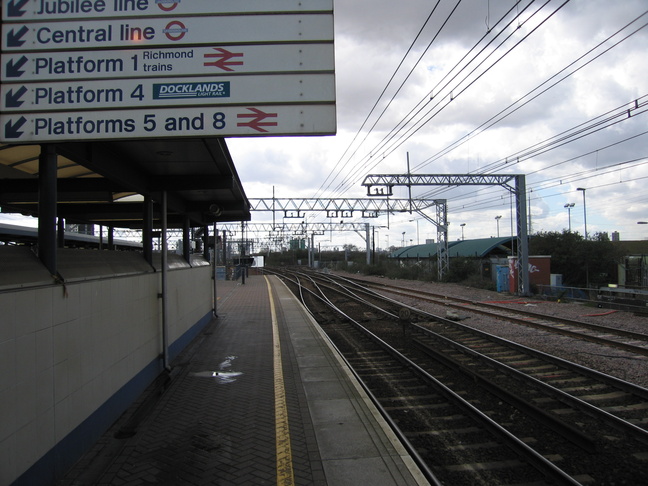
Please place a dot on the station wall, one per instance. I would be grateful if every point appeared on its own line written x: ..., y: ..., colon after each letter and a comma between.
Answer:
x: 74, y: 356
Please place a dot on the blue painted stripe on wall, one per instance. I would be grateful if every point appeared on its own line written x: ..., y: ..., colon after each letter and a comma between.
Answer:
x: 179, y: 344
x: 56, y: 462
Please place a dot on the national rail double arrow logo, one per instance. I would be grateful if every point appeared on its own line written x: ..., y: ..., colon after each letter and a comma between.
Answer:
x: 224, y: 59
x: 257, y: 120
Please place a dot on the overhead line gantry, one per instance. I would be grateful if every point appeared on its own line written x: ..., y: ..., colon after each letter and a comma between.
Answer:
x: 340, y: 207
x: 382, y: 185
x: 346, y: 208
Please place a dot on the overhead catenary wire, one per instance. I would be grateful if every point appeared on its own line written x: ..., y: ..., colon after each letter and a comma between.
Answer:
x: 487, y: 198
x: 592, y: 205
x: 482, y: 198
x: 336, y: 190
x: 537, y: 150
x: 559, y: 181
x: 629, y: 109
x: 419, y: 124
x: 613, y: 117
x: 389, y: 82
x: 421, y: 104
x: 494, y: 119
x: 398, y: 90
x: 591, y: 50
x: 375, y: 153
x: 601, y: 122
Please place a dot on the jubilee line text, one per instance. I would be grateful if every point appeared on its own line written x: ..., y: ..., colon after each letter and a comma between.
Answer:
x: 87, y: 6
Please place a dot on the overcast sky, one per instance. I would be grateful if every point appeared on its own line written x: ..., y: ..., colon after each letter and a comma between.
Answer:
x: 553, y: 70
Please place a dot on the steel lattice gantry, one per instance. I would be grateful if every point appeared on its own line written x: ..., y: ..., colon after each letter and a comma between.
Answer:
x: 343, y: 207
x: 391, y: 180
x: 349, y: 207
x: 295, y: 228
x: 303, y: 229
x: 381, y: 185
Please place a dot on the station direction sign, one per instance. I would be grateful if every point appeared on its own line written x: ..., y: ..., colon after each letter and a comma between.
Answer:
x: 159, y: 92
x: 226, y: 121
x: 170, y: 61
x: 43, y: 10
x: 76, y: 70
x: 150, y: 32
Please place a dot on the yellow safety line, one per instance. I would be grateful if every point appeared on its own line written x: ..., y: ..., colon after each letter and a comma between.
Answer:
x: 285, y: 475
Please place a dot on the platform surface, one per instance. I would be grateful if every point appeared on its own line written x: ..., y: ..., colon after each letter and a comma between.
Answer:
x: 258, y: 398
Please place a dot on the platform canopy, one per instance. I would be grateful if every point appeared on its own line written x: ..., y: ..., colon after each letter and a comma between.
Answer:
x: 104, y: 182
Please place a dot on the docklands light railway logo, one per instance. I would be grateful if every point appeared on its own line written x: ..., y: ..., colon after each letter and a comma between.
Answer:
x: 191, y: 90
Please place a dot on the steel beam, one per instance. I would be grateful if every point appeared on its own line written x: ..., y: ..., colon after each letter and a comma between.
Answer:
x: 390, y: 180
x: 292, y: 228
x: 341, y: 207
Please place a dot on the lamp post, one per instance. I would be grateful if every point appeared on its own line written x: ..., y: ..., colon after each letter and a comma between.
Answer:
x: 462, y: 230
x: 417, y: 230
x: 497, y: 218
x: 584, y: 209
x: 569, y: 206
x: 403, y: 245
x: 373, y: 241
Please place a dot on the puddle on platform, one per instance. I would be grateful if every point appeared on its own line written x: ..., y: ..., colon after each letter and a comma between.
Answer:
x: 221, y: 376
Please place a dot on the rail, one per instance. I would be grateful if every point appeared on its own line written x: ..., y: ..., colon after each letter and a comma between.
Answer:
x: 633, y: 300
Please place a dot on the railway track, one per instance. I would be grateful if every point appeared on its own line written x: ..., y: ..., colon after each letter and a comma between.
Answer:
x: 633, y: 342
x: 479, y: 409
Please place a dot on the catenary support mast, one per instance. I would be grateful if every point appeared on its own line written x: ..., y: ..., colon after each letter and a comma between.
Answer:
x: 382, y: 184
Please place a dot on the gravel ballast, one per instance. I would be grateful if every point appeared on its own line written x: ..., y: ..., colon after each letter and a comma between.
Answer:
x: 612, y: 361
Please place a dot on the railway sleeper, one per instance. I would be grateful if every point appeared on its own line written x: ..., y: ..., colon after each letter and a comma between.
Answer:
x: 592, y: 388
x: 540, y: 368
x: 580, y: 403
x: 604, y: 397
x: 558, y: 426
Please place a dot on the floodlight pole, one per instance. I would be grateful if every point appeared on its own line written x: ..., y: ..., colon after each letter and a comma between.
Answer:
x: 569, y: 207
x: 584, y: 210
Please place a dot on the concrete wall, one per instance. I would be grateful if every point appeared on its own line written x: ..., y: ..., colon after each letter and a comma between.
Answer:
x: 74, y: 356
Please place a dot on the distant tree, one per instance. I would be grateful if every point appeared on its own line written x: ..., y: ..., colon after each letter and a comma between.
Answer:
x: 581, y: 262
x: 461, y: 268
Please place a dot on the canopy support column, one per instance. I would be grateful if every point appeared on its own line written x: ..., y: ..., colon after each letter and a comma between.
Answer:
x: 147, y: 230
x: 47, y: 199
